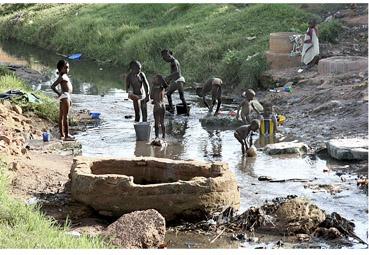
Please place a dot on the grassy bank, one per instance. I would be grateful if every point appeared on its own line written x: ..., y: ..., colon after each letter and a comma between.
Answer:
x: 47, y: 107
x: 23, y: 226
x: 208, y: 39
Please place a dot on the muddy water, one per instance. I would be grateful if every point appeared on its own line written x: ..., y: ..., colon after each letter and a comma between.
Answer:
x: 187, y: 139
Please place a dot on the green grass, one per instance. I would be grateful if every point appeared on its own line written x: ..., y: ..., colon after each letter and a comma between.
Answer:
x: 47, y: 109
x: 23, y: 226
x: 208, y: 39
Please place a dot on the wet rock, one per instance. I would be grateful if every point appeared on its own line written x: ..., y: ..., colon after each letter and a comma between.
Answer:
x: 140, y: 229
x: 17, y: 109
x: 265, y: 178
x: 348, y: 149
x: 286, y: 148
x: 220, y: 121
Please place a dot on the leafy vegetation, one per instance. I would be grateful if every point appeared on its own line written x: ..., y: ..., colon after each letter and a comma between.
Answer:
x: 47, y: 108
x: 208, y: 39
x: 329, y: 31
x: 23, y: 226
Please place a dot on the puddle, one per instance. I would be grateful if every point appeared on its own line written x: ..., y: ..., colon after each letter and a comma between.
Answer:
x: 187, y: 139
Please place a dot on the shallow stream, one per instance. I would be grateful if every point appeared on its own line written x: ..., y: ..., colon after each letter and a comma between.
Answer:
x: 100, y: 88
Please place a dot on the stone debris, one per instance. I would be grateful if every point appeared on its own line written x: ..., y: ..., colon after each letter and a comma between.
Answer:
x: 139, y: 229
x: 286, y: 148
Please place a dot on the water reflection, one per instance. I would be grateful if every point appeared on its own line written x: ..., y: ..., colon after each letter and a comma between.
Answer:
x: 265, y: 140
x: 246, y: 165
x: 88, y: 77
x: 212, y: 147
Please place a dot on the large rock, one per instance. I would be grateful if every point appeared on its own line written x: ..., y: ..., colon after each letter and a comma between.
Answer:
x: 342, y: 64
x: 298, y: 215
x: 140, y: 229
x: 286, y: 148
x: 348, y: 149
x: 221, y: 121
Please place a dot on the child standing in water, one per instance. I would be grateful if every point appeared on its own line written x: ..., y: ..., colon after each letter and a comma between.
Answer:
x: 64, y: 97
x: 175, y: 79
x: 157, y: 96
x: 245, y: 132
x: 137, y: 79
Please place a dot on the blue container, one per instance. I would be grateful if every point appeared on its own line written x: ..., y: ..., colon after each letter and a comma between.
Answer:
x: 46, y: 136
x: 95, y: 115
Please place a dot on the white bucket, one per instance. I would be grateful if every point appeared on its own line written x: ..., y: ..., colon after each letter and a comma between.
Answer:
x: 143, y: 131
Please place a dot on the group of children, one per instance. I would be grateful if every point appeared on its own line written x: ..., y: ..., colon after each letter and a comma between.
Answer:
x: 139, y: 91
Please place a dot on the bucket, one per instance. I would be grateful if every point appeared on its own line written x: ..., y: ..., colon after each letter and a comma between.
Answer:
x: 181, y: 109
x: 95, y: 115
x: 46, y: 136
x: 143, y: 130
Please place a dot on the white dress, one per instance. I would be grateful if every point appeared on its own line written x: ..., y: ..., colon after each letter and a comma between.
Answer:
x: 310, y: 49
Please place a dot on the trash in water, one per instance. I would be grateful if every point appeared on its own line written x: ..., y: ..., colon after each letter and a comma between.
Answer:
x: 95, y: 115
x: 128, y: 116
x: 74, y: 56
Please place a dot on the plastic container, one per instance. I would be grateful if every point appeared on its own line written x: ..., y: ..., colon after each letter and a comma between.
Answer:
x: 181, y: 109
x: 46, y: 136
x: 143, y: 131
x: 95, y: 115
x: 287, y: 88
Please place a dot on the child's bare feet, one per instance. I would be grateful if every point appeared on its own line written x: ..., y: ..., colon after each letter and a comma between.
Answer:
x: 69, y: 138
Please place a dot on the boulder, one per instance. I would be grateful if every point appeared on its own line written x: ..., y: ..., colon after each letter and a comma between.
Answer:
x: 298, y: 215
x: 221, y: 121
x: 139, y: 229
x: 342, y: 64
x: 348, y: 149
x: 286, y: 148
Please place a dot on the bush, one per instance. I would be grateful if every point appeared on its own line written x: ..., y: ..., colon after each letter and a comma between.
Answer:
x: 48, y: 109
x: 329, y: 31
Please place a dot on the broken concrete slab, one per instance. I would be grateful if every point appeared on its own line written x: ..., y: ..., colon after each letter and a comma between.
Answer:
x: 140, y: 229
x: 348, y: 149
x: 286, y: 148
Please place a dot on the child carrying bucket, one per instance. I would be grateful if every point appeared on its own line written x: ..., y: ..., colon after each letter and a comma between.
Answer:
x: 135, y: 83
